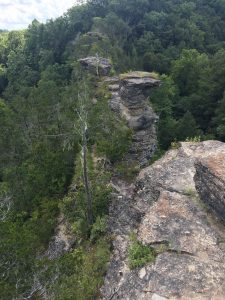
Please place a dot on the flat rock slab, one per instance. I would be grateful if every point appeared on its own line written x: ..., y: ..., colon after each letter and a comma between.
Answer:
x: 175, y: 276
x: 176, y: 220
x: 191, y: 263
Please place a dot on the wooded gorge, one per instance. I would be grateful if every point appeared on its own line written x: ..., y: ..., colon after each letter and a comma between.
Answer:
x: 43, y: 90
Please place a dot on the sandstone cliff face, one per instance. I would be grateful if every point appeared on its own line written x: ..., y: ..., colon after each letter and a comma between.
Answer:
x: 130, y: 100
x: 163, y: 207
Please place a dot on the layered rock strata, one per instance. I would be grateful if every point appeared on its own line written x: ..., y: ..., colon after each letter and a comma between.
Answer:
x: 164, y: 208
x: 96, y: 65
x: 210, y: 182
x: 130, y: 99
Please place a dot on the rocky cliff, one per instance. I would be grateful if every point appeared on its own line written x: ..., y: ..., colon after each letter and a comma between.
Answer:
x: 130, y: 100
x: 175, y: 208
x: 210, y: 182
x: 164, y: 208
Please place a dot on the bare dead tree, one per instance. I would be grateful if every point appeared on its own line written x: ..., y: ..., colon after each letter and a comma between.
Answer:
x: 41, y: 285
x: 5, y: 206
x: 97, y: 63
x: 82, y: 129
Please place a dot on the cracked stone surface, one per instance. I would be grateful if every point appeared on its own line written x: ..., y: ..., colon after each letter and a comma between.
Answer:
x: 165, y: 207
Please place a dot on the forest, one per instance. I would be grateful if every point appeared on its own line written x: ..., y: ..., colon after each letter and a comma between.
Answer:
x: 41, y: 88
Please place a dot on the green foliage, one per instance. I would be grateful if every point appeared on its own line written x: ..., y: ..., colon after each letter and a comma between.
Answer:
x: 195, y: 139
x: 39, y: 82
x: 139, y: 74
x: 83, y: 272
x: 98, y: 228
x: 139, y: 254
x: 43, y: 221
x: 74, y: 205
x: 17, y: 248
x: 110, y: 134
x: 157, y: 155
x: 127, y: 170
x: 163, y: 99
x: 187, y: 127
x: 175, y: 145
x: 190, y: 192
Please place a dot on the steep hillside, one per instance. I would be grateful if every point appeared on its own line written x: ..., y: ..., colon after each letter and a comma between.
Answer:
x: 87, y: 101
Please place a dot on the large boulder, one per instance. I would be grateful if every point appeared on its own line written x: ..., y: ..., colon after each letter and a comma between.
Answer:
x: 96, y: 65
x: 168, y: 213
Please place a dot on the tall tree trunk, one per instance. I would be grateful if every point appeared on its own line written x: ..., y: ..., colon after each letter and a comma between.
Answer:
x: 86, y: 180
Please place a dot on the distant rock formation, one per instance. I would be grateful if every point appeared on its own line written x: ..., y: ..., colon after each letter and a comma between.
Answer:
x: 96, y: 65
x: 130, y: 99
x: 164, y: 208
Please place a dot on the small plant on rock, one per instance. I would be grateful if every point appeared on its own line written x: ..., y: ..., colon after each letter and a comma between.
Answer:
x: 195, y: 139
x: 139, y: 254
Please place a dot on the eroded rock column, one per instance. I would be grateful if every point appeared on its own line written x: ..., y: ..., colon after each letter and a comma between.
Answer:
x: 131, y: 99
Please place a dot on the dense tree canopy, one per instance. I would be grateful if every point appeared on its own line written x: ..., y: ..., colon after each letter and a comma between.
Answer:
x: 183, y: 41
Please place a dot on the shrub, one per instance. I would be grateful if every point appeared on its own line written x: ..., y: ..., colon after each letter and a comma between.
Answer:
x: 139, y: 254
x: 175, y: 145
x: 98, y: 228
x: 83, y: 272
x: 195, y: 139
x: 127, y: 170
x: 157, y: 155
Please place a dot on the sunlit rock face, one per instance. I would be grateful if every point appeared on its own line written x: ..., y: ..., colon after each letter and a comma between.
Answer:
x: 130, y: 99
x: 165, y: 208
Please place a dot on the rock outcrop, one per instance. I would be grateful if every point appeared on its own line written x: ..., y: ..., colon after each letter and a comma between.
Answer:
x: 96, y: 65
x: 61, y: 242
x: 210, y: 182
x: 164, y: 208
x: 130, y: 100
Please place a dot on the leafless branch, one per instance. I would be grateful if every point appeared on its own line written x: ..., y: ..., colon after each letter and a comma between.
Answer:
x: 5, y: 206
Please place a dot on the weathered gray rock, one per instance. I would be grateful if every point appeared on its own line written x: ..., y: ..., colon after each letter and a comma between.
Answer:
x: 135, y: 87
x: 96, y: 65
x: 210, y: 182
x: 166, y: 210
x: 129, y: 100
x: 61, y: 242
x: 114, y: 87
